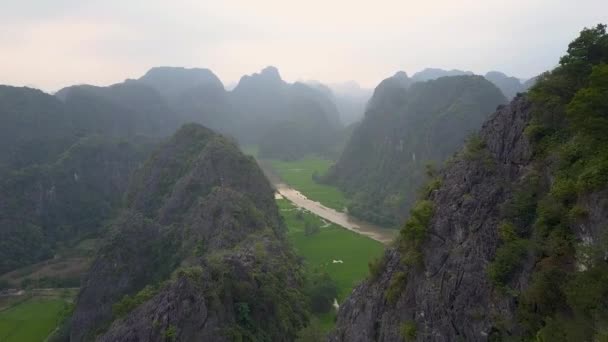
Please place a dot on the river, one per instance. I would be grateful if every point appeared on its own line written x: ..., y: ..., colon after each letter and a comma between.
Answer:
x: 383, y: 235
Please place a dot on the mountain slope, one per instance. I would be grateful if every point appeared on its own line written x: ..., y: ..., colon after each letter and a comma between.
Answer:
x: 198, y: 253
x: 449, y: 295
x: 405, y: 128
x: 510, y: 243
x: 59, y: 181
x: 58, y: 203
x: 120, y: 110
x: 34, y: 127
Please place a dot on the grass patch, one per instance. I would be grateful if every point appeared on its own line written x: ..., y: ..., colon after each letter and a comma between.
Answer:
x: 330, y: 243
x: 299, y: 175
x: 32, y: 320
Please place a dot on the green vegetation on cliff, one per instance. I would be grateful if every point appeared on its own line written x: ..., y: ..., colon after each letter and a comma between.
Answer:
x: 566, y: 299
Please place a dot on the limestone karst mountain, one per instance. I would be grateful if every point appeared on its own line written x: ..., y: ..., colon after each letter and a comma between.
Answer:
x: 407, y: 126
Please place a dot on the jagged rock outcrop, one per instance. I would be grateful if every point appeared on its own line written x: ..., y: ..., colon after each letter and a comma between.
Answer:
x: 450, y: 296
x: 198, y: 253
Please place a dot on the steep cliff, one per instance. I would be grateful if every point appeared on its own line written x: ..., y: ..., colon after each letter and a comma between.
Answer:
x: 199, y: 253
x: 449, y: 296
x: 509, y: 241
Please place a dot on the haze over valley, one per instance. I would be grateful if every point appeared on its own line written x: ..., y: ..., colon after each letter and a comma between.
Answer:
x: 340, y: 172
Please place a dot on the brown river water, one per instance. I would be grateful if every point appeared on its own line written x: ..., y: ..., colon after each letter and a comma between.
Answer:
x: 383, y: 235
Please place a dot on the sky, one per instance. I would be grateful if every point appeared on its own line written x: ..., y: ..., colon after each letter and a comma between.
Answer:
x: 49, y: 44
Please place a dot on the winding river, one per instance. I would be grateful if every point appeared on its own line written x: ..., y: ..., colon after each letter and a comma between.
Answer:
x: 377, y: 233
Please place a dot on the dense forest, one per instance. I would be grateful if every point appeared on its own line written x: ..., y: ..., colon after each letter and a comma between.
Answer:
x: 408, y: 128
x: 509, y: 242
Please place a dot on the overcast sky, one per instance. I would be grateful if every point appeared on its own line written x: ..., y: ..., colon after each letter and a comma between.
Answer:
x: 51, y: 44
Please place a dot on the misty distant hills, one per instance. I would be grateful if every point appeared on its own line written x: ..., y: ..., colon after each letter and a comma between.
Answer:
x: 287, y: 120
x: 350, y: 98
x: 173, y: 82
x: 509, y: 85
x: 434, y: 73
x: 124, y: 109
x: 254, y: 112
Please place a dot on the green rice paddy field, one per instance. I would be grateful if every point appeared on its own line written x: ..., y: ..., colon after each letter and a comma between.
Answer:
x: 352, y: 252
x: 31, y: 320
x: 299, y: 175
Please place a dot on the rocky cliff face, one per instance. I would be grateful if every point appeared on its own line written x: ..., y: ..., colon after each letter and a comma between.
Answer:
x: 406, y: 127
x: 449, y: 296
x: 198, y: 254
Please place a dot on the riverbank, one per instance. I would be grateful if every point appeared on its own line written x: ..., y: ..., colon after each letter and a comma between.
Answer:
x: 380, y: 234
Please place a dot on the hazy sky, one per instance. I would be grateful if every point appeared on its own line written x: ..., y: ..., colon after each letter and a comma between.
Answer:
x: 53, y: 43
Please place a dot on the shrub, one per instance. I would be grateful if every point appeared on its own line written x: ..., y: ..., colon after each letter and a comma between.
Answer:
x: 594, y: 176
x: 429, y: 187
x: 395, y: 287
x: 311, y: 229
x: 199, y: 250
x: 412, y: 235
x: 128, y: 303
x: 507, y: 232
x: 171, y: 333
x: 420, y: 217
x: 474, y: 146
x: 243, y: 315
x: 521, y: 208
x: 508, y: 258
x: 376, y: 267
x: 408, y: 331
x: 312, y: 333
x: 322, y: 292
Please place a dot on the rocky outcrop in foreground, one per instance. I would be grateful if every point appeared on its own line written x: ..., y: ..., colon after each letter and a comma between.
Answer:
x: 458, y: 291
x: 198, y: 253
